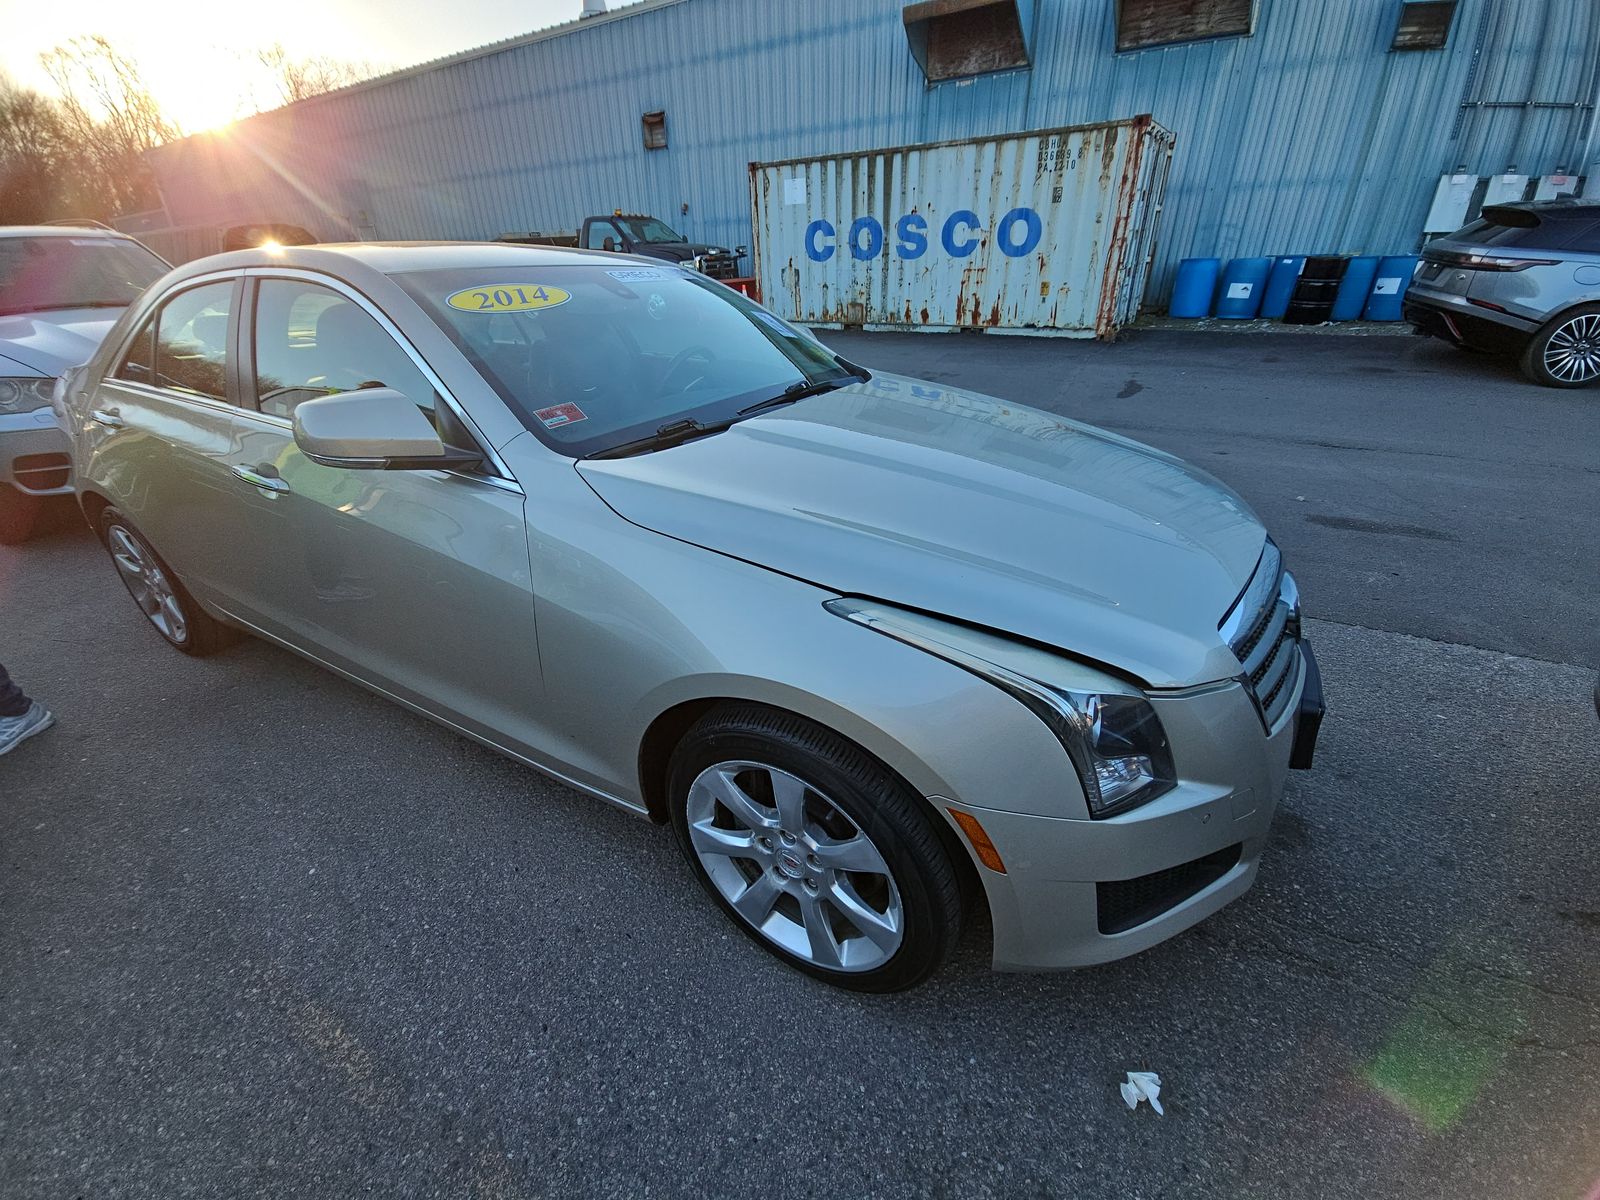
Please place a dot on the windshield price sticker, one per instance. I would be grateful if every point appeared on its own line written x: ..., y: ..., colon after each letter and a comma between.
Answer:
x: 638, y: 274
x: 560, y: 414
x: 499, y: 298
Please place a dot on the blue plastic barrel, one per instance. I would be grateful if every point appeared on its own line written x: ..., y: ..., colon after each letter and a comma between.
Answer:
x: 1389, y: 288
x: 1280, y: 285
x: 1194, y: 287
x: 1243, y: 281
x: 1355, y: 287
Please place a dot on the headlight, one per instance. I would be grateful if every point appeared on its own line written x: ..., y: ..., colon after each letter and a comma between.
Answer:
x: 1108, y: 728
x: 25, y: 395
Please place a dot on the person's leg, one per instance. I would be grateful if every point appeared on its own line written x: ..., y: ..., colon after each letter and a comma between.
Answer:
x: 12, y: 702
x: 20, y: 718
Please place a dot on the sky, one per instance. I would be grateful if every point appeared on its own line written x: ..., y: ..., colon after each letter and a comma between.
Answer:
x: 200, y: 62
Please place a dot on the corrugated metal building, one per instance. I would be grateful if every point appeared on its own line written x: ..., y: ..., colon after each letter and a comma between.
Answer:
x: 1307, y: 134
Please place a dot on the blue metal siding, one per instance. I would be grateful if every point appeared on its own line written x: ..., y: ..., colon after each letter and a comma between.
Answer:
x: 1308, y: 136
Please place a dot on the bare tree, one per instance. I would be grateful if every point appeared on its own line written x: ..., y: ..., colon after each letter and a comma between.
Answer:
x: 110, y: 112
x: 44, y: 173
x: 302, y: 78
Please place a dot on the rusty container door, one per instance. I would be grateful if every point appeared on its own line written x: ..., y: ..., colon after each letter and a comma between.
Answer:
x: 1045, y: 232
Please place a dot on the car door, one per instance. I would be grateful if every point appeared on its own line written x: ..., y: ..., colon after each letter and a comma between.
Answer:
x: 158, y: 433
x: 415, y: 581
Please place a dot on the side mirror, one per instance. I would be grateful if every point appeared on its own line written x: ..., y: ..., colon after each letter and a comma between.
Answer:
x: 609, y: 244
x: 372, y: 429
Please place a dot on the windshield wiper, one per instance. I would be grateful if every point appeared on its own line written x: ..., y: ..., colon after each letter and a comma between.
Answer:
x: 802, y: 388
x: 673, y: 433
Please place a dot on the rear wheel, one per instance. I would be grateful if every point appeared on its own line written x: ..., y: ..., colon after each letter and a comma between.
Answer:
x: 18, y: 512
x: 160, y: 594
x: 1566, y: 352
x: 816, y: 851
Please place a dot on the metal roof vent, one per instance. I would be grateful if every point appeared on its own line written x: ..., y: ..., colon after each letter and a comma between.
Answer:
x: 592, y: 8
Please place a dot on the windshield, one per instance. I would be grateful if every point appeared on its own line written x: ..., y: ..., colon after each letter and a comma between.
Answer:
x: 591, y: 357
x: 648, y: 229
x: 40, y: 273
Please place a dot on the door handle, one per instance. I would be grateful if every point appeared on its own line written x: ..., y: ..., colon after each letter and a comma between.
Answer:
x: 111, y: 418
x: 259, y: 477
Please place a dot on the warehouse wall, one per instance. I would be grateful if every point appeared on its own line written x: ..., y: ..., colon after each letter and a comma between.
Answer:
x: 1309, y: 136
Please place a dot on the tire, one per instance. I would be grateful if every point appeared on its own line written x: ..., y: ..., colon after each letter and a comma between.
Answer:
x: 159, y: 593
x: 1574, y: 359
x: 18, y: 512
x: 853, y: 885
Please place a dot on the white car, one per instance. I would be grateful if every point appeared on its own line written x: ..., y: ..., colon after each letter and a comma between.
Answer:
x: 61, y: 288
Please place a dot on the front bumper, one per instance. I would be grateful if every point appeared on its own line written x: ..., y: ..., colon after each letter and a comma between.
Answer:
x: 1080, y: 892
x: 34, y: 454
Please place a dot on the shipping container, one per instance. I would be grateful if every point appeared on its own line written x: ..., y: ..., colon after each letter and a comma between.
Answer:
x: 1047, y: 232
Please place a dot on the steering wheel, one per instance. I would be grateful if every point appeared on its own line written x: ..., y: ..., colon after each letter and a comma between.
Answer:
x: 681, y: 360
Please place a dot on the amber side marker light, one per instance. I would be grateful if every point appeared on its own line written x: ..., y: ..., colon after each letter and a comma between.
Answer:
x: 987, y: 854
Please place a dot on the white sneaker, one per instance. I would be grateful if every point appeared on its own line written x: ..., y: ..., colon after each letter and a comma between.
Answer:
x: 16, y: 730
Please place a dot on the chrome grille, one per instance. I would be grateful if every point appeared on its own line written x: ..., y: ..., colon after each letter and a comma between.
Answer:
x: 1263, y: 631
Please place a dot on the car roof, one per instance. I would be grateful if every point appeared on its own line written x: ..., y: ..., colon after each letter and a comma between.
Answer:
x: 394, y: 258
x: 1567, y: 206
x: 71, y: 231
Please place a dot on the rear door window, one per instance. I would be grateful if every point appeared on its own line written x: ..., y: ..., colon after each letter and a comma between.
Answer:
x: 139, y: 363
x: 191, y: 345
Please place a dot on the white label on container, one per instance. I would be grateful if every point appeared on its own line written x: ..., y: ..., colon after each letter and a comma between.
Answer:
x: 1240, y: 291
x: 794, y: 191
x: 1386, y: 287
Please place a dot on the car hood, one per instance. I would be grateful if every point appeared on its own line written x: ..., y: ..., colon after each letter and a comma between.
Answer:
x: 969, y: 507
x: 50, y: 342
x: 684, y: 251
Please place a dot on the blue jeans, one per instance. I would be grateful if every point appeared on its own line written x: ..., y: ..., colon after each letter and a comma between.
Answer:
x: 12, y: 702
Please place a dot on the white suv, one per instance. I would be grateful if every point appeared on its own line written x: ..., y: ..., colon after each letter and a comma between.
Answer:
x: 61, y: 288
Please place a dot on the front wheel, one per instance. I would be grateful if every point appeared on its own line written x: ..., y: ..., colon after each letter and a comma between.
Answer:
x: 1566, y: 352
x: 160, y: 594
x: 816, y: 851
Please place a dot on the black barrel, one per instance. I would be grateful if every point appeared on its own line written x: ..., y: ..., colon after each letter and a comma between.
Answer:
x: 1312, y: 301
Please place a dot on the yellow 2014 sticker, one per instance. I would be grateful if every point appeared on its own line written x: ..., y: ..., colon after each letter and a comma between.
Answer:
x: 498, y: 298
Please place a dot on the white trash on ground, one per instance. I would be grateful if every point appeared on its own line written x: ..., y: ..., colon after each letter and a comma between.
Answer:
x: 1143, y: 1085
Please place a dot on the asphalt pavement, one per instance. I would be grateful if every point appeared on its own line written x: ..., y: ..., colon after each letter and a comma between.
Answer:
x: 262, y: 933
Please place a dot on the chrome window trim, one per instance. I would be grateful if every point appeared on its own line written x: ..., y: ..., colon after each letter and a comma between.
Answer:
x: 149, y: 389
x: 356, y: 296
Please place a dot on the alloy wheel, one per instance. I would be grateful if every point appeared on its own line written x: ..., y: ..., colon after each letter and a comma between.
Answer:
x: 148, y: 584
x: 1572, y: 352
x: 794, y: 866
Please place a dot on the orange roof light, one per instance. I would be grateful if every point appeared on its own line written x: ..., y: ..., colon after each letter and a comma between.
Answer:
x: 981, y: 845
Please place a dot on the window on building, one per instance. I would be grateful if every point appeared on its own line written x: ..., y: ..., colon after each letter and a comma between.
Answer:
x: 1145, y: 23
x: 1424, y: 25
x: 957, y: 39
x: 655, y: 130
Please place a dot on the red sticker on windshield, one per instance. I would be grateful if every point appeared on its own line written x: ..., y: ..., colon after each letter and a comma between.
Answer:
x: 560, y: 414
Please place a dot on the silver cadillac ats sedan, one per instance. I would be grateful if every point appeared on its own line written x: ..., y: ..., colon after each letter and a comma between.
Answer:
x: 883, y: 653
